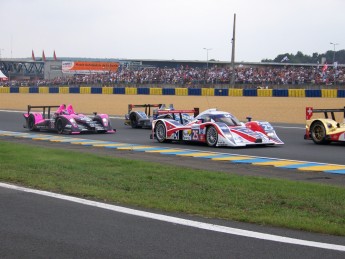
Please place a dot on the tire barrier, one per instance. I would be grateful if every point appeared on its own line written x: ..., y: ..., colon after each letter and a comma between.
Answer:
x: 302, y: 93
x: 155, y: 91
x: 143, y: 91
x: 235, y: 92
x: 207, y: 91
x: 181, y: 91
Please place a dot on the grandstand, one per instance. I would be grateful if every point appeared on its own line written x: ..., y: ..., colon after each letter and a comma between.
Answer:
x: 189, y: 73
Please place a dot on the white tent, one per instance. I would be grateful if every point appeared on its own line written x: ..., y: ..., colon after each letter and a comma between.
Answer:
x: 3, y: 77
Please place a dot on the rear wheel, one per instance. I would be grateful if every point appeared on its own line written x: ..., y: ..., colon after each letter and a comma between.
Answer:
x: 59, y: 126
x: 134, y: 121
x: 31, y: 122
x: 160, y: 132
x: 318, y: 133
x: 211, y: 136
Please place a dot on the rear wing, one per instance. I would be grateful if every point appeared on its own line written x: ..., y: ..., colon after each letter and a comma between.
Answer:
x: 309, y: 111
x: 45, y: 110
x: 146, y: 106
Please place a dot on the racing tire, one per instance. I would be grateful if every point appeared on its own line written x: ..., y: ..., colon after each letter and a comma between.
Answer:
x: 318, y: 133
x: 59, y: 126
x: 160, y: 132
x: 211, y: 136
x: 31, y: 122
x: 134, y: 121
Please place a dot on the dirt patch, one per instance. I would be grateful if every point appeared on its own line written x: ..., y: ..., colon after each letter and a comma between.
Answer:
x: 273, y: 109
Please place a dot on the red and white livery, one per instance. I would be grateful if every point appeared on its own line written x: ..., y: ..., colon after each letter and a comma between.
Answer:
x: 215, y: 128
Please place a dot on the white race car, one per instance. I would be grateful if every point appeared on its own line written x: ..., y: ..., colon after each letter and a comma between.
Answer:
x: 215, y: 128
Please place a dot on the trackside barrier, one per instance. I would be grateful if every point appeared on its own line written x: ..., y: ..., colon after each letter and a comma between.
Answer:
x: 324, y: 93
x: 156, y: 91
x: 5, y: 90
x: 143, y: 91
x: 250, y: 92
x: 130, y: 90
x: 312, y: 93
x: 14, y: 90
x: 107, y: 90
x: 53, y: 90
x: 64, y: 90
x: 264, y: 92
x: 74, y: 90
x: 329, y: 93
x: 119, y: 90
x: 221, y: 92
x: 33, y: 90
x: 85, y: 90
x: 168, y: 91
x: 207, y: 91
x: 181, y: 91
x: 296, y: 93
x: 281, y: 92
x: 192, y: 91
x: 235, y: 92
x: 24, y: 90
x: 341, y: 93
x: 96, y: 90
x: 43, y: 90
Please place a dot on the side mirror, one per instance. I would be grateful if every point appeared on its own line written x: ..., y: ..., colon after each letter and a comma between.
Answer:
x: 249, y: 118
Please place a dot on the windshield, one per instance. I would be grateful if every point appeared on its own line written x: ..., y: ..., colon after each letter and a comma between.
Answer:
x: 228, y: 119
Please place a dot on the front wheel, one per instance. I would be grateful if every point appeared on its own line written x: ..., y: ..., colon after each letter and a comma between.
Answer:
x: 318, y: 133
x: 211, y: 136
x: 160, y: 132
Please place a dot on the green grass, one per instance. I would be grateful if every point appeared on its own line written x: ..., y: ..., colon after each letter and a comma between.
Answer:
x: 283, y: 203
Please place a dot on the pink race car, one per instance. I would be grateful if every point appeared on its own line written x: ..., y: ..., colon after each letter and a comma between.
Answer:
x: 65, y: 120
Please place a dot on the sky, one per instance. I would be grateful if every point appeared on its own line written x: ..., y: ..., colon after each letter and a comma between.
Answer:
x: 170, y: 29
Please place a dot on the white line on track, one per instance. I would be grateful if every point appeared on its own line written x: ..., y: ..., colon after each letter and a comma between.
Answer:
x: 180, y: 221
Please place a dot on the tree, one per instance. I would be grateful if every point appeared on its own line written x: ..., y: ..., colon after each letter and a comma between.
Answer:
x: 300, y: 58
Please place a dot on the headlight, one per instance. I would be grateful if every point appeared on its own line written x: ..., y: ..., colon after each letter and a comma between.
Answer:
x: 73, y: 122
x: 105, y: 122
x: 270, y: 134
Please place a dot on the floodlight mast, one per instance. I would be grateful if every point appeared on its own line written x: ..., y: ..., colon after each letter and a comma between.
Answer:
x: 233, y: 53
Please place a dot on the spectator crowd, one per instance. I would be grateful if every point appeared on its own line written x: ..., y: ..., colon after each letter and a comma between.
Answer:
x: 187, y: 76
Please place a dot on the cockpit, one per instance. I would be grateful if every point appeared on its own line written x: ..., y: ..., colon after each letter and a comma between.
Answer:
x: 226, y: 118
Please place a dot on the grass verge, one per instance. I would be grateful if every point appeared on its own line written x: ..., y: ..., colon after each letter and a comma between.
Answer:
x: 295, y: 205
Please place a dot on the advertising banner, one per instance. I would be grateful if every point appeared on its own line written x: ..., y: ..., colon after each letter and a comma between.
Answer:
x: 88, y: 67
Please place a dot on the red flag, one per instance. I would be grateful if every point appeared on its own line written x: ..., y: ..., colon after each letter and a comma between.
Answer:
x: 324, y: 68
x: 55, y: 56
x: 43, y: 56
x: 33, y: 56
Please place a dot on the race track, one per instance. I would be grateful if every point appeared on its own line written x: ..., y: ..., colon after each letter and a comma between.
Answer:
x: 295, y: 148
x: 67, y: 226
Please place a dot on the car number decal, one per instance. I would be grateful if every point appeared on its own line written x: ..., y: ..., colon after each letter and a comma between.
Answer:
x: 195, y: 134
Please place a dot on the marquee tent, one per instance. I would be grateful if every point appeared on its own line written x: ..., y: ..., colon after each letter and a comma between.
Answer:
x: 3, y: 77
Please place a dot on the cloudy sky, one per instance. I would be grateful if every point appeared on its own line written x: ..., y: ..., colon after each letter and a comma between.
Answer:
x: 170, y: 29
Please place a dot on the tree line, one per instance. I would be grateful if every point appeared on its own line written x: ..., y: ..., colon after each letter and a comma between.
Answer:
x: 339, y: 56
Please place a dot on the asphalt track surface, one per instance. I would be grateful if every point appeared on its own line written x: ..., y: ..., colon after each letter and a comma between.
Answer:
x: 35, y: 226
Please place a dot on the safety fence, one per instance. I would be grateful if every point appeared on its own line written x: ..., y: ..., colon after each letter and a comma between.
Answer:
x: 326, y: 93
